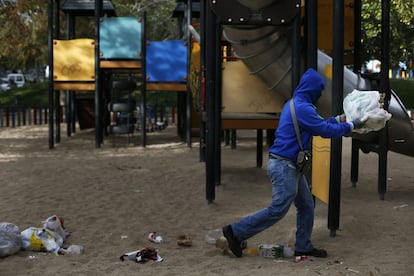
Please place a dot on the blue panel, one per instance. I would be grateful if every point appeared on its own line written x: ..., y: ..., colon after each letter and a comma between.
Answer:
x: 120, y: 38
x: 167, y: 61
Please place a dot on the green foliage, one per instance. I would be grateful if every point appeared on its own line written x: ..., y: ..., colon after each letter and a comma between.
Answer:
x: 23, y: 30
x: 30, y: 95
x: 160, y: 25
x: 404, y: 88
x: 37, y: 95
x: 401, y: 30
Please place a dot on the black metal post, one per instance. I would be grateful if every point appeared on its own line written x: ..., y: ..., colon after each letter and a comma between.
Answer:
x: 143, y: 108
x: 259, y: 148
x: 233, y: 139
x: 337, y: 97
x: 217, y: 103
x: 188, y: 93
x: 70, y: 26
x: 98, y: 128
x: 50, y: 62
x: 385, y: 89
x: 57, y: 95
x: 202, y: 140
x: 210, y: 22
x: 296, y: 50
x: 356, y: 70
x: 312, y: 34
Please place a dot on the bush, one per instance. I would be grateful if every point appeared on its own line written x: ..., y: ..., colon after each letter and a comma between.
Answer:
x: 31, y: 95
x: 404, y: 88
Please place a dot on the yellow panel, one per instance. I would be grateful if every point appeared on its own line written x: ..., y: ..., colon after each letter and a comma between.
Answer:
x: 74, y: 60
x: 243, y: 92
x: 325, y: 25
x: 195, y: 74
x: 78, y: 86
x: 321, y: 158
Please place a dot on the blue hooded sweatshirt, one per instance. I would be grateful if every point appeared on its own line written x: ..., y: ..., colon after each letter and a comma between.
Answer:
x: 310, y: 122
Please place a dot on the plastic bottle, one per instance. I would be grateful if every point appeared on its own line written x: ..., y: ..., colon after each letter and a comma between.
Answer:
x: 288, y: 251
x: 154, y: 238
x: 74, y: 249
x: 213, y: 235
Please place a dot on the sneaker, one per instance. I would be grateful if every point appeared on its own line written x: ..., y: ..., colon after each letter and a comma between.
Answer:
x: 233, y: 243
x: 319, y: 253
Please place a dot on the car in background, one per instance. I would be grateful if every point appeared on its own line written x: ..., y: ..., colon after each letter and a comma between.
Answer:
x: 5, y: 84
x: 17, y: 78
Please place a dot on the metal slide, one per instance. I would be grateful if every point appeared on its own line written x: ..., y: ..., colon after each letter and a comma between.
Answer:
x: 267, y: 52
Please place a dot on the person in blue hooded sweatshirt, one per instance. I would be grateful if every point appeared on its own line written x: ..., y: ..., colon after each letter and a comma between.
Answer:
x: 288, y: 184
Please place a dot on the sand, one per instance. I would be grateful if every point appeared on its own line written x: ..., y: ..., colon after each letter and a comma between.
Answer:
x: 112, y: 197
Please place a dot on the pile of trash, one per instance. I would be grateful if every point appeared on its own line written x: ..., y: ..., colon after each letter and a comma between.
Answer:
x: 48, y: 238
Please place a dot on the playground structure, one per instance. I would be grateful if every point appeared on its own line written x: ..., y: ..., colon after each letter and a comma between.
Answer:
x: 95, y: 70
x: 268, y: 36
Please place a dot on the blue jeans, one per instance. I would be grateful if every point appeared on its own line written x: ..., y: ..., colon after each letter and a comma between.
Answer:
x: 288, y: 186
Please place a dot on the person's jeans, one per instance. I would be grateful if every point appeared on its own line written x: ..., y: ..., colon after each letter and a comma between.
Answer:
x: 288, y: 186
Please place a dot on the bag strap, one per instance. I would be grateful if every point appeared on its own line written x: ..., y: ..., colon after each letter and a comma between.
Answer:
x: 295, y: 123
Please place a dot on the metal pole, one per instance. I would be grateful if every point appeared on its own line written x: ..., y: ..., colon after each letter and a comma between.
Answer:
x: 50, y: 62
x: 189, y: 100
x: 312, y: 33
x: 337, y: 96
x: 143, y: 108
x: 210, y: 110
x: 70, y: 26
x: 385, y: 89
x: 296, y: 57
x: 357, y: 70
x: 217, y: 102
x: 57, y: 95
x: 98, y: 128
x: 202, y: 150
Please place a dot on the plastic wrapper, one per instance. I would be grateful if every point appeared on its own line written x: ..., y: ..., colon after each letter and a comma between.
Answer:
x: 143, y: 255
x: 41, y: 239
x: 365, y: 104
x: 55, y: 224
x: 10, y: 241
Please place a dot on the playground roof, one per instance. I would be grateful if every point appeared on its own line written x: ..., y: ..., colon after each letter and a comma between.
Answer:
x: 87, y: 7
x: 181, y: 8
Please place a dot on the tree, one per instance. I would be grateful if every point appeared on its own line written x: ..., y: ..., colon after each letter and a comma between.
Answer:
x: 160, y: 25
x: 401, y: 30
x: 24, y: 29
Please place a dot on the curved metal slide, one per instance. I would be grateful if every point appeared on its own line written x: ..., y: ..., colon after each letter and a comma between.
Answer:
x: 267, y: 52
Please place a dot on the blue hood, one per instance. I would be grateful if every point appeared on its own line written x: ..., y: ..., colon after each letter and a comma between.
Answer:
x: 309, y: 121
x: 310, y: 86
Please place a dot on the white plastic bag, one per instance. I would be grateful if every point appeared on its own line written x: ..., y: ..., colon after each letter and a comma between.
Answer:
x: 10, y: 241
x: 41, y: 239
x: 55, y: 224
x: 360, y: 104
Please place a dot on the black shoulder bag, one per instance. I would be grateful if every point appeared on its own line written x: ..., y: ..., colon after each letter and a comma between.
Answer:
x: 304, y: 161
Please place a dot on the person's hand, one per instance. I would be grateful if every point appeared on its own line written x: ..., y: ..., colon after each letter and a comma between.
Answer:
x: 341, y: 118
x: 360, y: 122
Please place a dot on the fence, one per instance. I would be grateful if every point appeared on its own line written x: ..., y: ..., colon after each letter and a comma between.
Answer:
x: 21, y: 115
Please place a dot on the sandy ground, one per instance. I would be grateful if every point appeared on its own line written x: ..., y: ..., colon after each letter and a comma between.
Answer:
x: 110, y: 198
